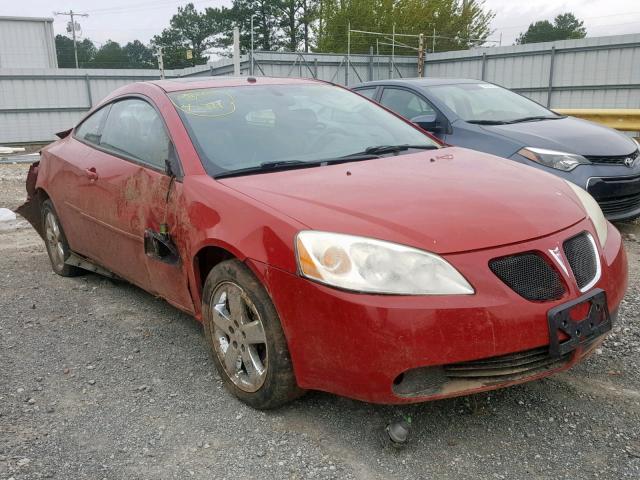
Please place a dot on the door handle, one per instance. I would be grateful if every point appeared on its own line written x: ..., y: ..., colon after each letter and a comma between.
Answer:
x: 91, y: 173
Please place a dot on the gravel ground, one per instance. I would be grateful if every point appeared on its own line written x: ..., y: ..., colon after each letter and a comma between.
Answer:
x: 99, y: 380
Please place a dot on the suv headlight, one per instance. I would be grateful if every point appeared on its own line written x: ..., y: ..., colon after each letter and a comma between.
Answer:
x: 368, y: 265
x: 558, y: 160
x: 594, y: 212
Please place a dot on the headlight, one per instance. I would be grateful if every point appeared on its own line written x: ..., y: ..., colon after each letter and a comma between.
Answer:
x: 551, y: 158
x: 594, y: 212
x: 368, y: 265
x: 636, y: 142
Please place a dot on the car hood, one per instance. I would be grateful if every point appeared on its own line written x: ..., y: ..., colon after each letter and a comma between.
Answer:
x: 569, y: 134
x: 444, y: 201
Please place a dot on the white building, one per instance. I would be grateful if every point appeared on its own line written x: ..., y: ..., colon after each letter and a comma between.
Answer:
x: 27, y: 42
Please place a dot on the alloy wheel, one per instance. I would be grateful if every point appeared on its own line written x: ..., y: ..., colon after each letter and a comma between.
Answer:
x: 239, y: 338
x: 54, y: 239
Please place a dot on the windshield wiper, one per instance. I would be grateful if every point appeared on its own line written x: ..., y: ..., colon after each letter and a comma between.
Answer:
x: 532, y: 119
x: 269, y: 167
x: 368, y: 154
x: 487, y: 122
x: 382, y: 149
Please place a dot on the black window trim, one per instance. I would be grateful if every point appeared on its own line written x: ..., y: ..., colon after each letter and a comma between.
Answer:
x: 376, y: 91
x: 123, y: 156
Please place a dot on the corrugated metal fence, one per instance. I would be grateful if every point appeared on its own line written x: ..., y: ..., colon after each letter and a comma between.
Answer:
x: 602, y: 72
x: 599, y: 72
x: 36, y: 103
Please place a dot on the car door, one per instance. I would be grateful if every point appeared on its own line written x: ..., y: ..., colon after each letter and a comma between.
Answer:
x: 73, y: 182
x: 133, y: 197
x: 411, y: 105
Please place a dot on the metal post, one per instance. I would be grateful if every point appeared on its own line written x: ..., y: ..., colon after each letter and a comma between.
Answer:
x: 87, y: 82
x: 236, y: 51
x: 251, y: 65
x: 484, y: 65
x: 315, y: 68
x: 393, y: 51
x: 371, y: 63
x: 346, y: 66
x: 433, y: 39
x: 551, y: 64
x: 421, y: 56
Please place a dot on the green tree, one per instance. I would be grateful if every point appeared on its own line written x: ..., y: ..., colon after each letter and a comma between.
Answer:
x: 565, y: 26
x: 192, y: 30
x: 64, y: 52
x: 139, y: 55
x: 296, y: 19
x: 459, y: 24
x: 110, y: 55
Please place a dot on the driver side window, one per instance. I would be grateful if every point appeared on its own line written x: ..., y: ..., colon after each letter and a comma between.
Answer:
x: 405, y: 103
x: 135, y: 129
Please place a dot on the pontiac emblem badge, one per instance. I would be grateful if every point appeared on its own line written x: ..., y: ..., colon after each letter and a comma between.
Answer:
x: 555, y: 253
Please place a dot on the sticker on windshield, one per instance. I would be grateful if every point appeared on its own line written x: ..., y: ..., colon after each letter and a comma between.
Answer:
x: 205, y: 103
x: 487, y: 85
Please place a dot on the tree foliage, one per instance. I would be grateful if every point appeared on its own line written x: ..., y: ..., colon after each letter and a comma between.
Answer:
x: 64, y: 50
x: 458, y: 24
x: 294, y: 25
x: 565, y: 26
x: 110, y: 55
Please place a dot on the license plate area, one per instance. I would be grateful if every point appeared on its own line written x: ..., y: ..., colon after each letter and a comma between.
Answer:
x: 578, y: 332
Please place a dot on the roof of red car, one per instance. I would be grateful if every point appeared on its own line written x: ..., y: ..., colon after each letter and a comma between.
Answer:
x: 192, y: 83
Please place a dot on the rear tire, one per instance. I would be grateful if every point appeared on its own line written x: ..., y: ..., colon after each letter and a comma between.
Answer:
x: 247, y: 343
x: 56, y: 242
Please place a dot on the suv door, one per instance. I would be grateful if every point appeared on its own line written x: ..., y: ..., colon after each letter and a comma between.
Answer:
x: 133, y: 195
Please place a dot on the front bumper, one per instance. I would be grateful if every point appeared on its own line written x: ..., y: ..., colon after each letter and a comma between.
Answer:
x: 357, y: 345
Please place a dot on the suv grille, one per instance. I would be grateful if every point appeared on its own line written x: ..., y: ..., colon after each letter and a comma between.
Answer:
x: 530, y: 276
x: 583, y: 258
x: 617, y: 160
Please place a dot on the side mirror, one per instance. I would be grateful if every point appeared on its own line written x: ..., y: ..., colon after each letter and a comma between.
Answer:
x: 427, y: 122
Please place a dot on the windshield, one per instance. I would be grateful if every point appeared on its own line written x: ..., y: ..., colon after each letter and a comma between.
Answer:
x: 245, y: 127
x: 487, y: 102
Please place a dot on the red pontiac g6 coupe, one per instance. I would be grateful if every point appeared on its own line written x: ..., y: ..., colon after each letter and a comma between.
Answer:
x: 325, y: 243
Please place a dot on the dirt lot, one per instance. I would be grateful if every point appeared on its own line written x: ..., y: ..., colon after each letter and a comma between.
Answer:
x: 99, y: 380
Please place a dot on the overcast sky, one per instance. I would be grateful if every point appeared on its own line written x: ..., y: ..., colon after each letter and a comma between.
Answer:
x: 122, y: 20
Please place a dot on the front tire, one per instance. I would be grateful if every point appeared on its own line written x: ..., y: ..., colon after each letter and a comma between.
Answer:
x: 56, y: 242
x: 247, y: 343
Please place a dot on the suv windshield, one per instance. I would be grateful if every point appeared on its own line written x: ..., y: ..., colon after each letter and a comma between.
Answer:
x: 485, y: 102
x: 247, y: 127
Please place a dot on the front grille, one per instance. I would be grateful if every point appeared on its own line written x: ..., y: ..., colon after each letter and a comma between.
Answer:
x: 582, y: 258
x: 618, y: 206
x: 530, y: 276
x: 612, y: 160
x: 506, y: 367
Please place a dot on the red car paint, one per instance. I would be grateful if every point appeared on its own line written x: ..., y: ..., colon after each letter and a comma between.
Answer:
x: 467, y: 206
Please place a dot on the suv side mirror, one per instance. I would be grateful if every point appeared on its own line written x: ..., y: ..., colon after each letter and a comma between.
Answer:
x: 428, y: 122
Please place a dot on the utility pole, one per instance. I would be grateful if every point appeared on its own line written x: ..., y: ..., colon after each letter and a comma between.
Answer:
x: 160, y: 62
x: 421, y: 55
x: 72, y: 14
